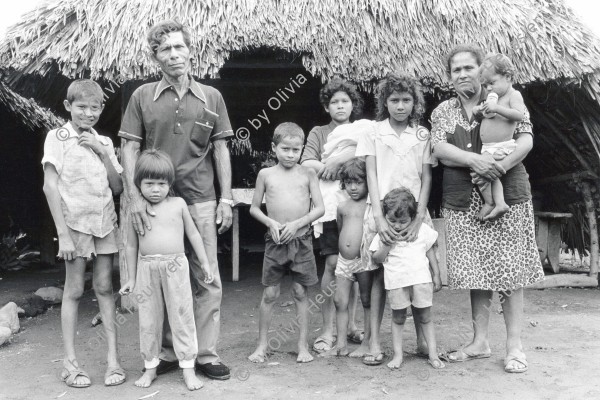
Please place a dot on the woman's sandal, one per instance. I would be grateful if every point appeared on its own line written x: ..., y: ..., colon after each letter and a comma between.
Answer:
x: 69, y: 376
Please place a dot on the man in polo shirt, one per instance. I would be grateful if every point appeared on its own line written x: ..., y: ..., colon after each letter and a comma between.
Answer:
x: 188, y: 121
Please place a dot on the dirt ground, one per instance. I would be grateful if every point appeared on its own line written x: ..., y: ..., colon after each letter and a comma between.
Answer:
x: 561, y: 335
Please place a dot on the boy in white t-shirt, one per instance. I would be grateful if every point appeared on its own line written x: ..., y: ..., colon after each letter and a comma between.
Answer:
x: 409, y: 268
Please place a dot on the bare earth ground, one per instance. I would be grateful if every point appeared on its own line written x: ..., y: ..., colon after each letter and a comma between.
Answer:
x: 561, y: 333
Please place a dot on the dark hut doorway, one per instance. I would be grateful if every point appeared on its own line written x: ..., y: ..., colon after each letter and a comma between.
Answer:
x: 263, y: 88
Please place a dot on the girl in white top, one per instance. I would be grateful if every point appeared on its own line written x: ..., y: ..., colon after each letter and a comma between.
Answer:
x: 410, y: 268
x: 398, y: 153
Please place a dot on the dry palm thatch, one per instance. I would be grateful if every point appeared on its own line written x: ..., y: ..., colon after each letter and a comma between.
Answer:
x: 358, y: 39
x: 29, y: 112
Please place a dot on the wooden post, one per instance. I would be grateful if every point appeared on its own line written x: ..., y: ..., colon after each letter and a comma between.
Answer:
x: 235, y: 245
x: 591, y: 214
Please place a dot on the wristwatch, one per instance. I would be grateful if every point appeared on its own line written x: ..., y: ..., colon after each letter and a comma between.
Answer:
x: 226, y: 201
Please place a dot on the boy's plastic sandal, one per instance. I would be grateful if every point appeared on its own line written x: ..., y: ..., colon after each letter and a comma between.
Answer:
x: 69, y: 376
x: 114, y: 371
x: 518, y: 359
x: 323, y: 344
x: 371, y: 360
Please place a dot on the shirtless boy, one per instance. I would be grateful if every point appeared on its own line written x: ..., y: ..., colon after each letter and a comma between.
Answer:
x: 288, y: 189
x: 161, y: 277
x: 349, y: 268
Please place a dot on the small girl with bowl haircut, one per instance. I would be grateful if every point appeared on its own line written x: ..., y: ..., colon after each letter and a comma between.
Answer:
x: 398, y: 153
x: 160, y: 277
x: 502, y: 111
x: 409, y: 269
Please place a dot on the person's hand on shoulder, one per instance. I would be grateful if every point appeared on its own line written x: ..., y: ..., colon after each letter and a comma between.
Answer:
x: 139, y: 210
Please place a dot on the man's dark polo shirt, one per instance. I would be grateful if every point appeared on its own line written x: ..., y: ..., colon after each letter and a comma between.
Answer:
x: 183, y: 128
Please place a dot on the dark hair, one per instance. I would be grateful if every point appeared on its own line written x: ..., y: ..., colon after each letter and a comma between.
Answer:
x: 159, y: 30
x: 352, y: 170
x: 399, y: 83
x: 401, y: 203
x: 153, y: 164
x: 464, y: 48
x: 499, y: 64
x: 287, y: 129
x: 340, y: 85
x: 82, y: 88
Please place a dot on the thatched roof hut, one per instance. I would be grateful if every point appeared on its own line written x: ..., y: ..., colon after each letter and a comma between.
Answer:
x: 557, y: 58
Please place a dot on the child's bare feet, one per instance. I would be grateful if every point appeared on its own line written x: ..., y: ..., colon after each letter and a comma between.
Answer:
x: 335, y: 352
x: 259, y: 355
x: 191, y: 380
x: 395, y: 362
x: 486, y: 209
x: 497, y: 212
x: 362, y: 350
x: 436, y: 363
x: 304, y: 355
x: 147, y: 378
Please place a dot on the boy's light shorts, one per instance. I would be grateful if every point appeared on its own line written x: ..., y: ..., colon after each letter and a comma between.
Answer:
x: 419, y: 295
x: 87, y: 245
x: 347, y: 268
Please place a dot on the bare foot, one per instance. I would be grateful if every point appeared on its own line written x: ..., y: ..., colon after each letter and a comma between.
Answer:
x: 484, y: 212
x: 304, y: 356
x: 191, y: 380
x: 259, y: 355
x: 146, y: 379
x: 395, y: 362
x: 436, y: 363
x: 360, y: 352
x: 335, y: 352
x: 497, y: 212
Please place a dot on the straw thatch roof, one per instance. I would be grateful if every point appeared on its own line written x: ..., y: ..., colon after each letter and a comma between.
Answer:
x: 359, y: 39
x: 28, y: 112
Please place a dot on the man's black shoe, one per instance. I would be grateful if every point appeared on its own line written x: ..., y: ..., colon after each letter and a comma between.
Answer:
x: 216, y: 370
x: 165, y: 366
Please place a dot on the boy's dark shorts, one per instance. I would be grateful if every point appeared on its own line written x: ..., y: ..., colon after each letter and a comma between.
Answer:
x: 329, y: 239
x: 296, y: 256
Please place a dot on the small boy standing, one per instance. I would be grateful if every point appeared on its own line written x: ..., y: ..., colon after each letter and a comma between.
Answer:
x: 81, y: 176
x: 162, y: 280
x: 409, y: 269
x: 288, y: 189
x: 350, y: 268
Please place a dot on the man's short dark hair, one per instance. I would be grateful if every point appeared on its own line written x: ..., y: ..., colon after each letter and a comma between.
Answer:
x: 159, y: 30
